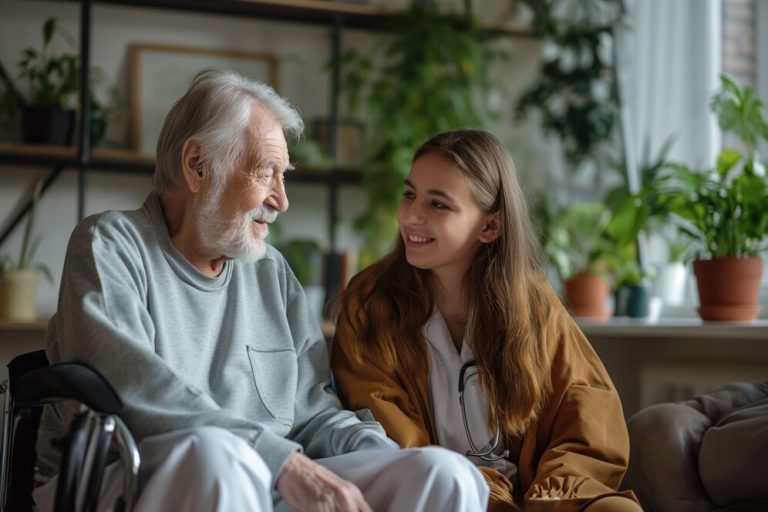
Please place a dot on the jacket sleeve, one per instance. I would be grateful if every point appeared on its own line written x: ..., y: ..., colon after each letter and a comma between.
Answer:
x: 103, y: 321
x: 581, y: 434
x: 365, y: 385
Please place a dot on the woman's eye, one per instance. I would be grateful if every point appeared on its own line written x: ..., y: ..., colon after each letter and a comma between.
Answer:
x: 439, y: 205
x: 408, y: 194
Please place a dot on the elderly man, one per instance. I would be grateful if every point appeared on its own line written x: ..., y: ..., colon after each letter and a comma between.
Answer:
x: 205, y: 333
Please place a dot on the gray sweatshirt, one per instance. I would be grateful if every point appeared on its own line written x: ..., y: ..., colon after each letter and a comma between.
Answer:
x: 240, y: 351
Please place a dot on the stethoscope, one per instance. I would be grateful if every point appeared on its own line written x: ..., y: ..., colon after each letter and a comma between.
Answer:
x: 486, y: 455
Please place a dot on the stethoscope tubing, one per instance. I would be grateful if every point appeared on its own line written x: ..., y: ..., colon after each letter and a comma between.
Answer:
x: 486, y: 455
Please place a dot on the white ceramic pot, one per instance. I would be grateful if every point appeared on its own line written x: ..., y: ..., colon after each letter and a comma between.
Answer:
x: 18, y: 295
x: 670, y: 284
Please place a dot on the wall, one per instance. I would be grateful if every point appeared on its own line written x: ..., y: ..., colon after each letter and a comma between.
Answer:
x: 302, y: 51
x: 677, y: 361
x: 739, y: 40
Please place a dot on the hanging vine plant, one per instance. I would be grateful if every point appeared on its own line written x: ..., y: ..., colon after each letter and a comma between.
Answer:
x: 575, y: 92
x: 432, y: 69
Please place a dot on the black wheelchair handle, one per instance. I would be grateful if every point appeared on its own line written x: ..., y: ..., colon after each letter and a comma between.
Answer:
x: 74, y: 381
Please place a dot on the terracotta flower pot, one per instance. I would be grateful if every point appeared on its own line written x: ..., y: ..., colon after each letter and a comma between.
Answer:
x: 586, y: 295
x: 18, y: 295
x: 729, y: 288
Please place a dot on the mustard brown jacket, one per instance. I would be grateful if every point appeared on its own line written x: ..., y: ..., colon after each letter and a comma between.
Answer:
x: 575, y: 454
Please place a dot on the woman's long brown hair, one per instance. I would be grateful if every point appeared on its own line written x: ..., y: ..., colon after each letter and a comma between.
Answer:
x: 509, y: 297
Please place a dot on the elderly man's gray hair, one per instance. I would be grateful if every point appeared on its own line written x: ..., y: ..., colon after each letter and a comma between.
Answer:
x: 216, y: 111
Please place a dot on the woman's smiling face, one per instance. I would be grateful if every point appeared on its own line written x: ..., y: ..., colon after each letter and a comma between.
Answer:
x: 440, y: 221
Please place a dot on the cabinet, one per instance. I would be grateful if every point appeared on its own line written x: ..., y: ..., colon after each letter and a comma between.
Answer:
x: 677, y: 358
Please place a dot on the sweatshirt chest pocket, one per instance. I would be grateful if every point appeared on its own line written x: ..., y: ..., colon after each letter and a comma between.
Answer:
x: 275, y: 374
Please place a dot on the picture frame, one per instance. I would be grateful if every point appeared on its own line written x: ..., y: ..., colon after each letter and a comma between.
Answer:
x: 160, y: 74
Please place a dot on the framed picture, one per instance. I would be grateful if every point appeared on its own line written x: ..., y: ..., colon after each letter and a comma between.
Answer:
x: 161, y: 74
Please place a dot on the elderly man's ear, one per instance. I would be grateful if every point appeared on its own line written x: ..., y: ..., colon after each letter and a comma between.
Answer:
x: 192, y: 167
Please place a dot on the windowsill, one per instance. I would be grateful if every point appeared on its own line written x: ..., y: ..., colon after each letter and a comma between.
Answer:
x: 618, y: 327
x: 691, y: 328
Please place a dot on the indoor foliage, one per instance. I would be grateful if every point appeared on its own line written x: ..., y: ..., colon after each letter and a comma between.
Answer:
x: 29, y: 244
x: 52, y: 80
x: 575, y: 92
x: 427, y: 78
x: 724, y: 209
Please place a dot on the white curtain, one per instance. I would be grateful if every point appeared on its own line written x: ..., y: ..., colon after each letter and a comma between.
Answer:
x: 668, y: 59
x: 761, y: 29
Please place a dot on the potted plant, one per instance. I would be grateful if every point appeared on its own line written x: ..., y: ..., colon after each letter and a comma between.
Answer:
x: 723, y: 210
x: 635, y: 217
x: 633, y: 290
x: 433, y: 69
x: 52, y: 82
x: 578, y: 246
x: 19, y: 279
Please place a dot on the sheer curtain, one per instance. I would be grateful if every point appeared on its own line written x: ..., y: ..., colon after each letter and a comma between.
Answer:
x: 761, y: 47
x: 761, y: 29
x: 668, y: 58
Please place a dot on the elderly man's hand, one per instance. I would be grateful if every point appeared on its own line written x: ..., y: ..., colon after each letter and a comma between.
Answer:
x: 306, y: 485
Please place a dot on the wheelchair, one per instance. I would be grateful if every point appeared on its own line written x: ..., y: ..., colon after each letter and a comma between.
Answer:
x: 31, y: 384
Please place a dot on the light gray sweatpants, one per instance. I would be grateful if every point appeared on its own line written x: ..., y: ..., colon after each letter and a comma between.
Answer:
x: 209, y: 469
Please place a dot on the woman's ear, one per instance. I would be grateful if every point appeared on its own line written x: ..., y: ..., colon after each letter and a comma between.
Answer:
x: 492, y: 228
x: 192, y: 165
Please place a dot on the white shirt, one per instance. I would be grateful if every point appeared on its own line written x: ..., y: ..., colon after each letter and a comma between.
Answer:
x: 445, y: 366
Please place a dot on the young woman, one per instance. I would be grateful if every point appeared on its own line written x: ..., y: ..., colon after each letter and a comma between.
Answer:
x: 456, y: 339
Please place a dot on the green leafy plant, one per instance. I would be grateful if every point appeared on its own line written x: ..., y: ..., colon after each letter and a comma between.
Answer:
x: 432, y: 69
x: 724, y: 209
x: 649, y: 205
x: 52, y: 79
x: 678, y: 249
x: 29, y: 244
x: 575, y: 91
x: 577, y: 241
x: 739, y: 111
x: 642, y: 213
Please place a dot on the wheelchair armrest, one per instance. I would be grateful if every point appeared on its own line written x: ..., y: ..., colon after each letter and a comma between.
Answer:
x: 22, y: 364
x: 69, y: 380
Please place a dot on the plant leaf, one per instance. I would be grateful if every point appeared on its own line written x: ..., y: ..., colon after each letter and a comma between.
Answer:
x: 726, y: 161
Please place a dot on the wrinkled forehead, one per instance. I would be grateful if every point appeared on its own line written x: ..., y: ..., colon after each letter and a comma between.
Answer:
x: 263, y: 122
x: 265, y: 137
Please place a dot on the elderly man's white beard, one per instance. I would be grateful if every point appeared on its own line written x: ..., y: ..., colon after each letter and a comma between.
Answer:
x: 233, y: 238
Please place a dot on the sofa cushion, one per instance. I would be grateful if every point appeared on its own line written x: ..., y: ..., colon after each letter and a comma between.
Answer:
x: 704, y: 454
x: 732, y: 459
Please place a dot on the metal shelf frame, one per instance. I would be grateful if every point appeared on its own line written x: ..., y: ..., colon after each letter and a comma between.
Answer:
x: 82, y: 158
x: 335, y: 15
